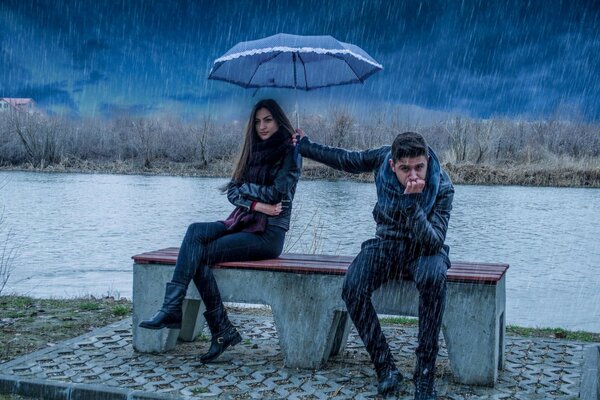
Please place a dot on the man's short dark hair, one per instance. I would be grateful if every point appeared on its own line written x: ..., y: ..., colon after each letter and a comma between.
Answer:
x: 409, y: 145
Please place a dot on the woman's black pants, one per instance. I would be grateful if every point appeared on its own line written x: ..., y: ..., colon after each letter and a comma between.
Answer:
x: 208, y: 243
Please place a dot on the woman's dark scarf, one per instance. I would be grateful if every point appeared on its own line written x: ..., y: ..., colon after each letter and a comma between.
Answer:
x: 265, y: 155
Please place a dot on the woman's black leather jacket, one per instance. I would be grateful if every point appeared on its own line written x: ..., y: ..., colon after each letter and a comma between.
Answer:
x: 286, y: 174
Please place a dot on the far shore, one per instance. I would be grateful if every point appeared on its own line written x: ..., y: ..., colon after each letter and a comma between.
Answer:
x: 464, y: 174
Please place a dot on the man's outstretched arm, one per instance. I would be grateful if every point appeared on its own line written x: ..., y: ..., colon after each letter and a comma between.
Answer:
x: 341, y: 159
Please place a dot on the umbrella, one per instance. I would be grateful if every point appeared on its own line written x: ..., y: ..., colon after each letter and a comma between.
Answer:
x: 295, y: 62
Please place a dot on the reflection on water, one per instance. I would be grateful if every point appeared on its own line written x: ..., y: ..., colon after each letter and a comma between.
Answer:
x: 77, y: 232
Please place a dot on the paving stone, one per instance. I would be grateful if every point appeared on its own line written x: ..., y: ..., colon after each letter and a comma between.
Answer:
x: 535, y: 368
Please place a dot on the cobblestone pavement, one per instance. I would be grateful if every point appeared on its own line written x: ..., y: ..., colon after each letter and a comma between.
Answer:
x: 535, y: 368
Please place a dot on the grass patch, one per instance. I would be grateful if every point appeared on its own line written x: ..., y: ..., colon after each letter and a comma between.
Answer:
x: 407, y: 321
x: 28, y: 324
x: 90, y: 306
x: 203, y: 337
x: 554, y: 333
x: 121, y: 310
x: 13, y: 397
x: 21, y: 301
x: 199, y: 390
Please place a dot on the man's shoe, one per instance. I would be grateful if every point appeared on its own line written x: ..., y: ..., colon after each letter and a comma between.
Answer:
x: 389, y: 381
x: 424, y: 386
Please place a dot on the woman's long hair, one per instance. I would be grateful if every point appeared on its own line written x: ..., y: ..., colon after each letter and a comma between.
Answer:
x: 251, y: 135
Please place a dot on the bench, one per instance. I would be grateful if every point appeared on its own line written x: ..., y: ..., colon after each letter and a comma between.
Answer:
x: 304, y: 293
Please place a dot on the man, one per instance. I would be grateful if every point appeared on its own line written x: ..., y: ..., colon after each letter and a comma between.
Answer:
x: 414, y: 200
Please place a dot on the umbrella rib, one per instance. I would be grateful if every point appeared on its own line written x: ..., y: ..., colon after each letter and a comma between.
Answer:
x: 304, y: 68
x: 349, y: 66
x: 259, y: 65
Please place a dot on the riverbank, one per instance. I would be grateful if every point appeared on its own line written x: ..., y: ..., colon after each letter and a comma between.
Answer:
x: 28, y: 324
x: 560, y: 175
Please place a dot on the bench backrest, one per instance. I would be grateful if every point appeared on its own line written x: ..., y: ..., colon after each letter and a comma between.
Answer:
x: 470, y: 272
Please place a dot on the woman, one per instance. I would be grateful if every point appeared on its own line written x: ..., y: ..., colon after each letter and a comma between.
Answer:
x: 262, y: 189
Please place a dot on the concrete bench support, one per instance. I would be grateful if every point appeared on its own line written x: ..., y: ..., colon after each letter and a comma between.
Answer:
x: 288, y: 295
x: 304, y: 293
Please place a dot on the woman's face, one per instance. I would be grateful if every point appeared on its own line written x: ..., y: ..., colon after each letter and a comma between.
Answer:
x: 265, y: 124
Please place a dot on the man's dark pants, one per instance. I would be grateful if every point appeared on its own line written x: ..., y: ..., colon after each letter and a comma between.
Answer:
x: 380, y: 261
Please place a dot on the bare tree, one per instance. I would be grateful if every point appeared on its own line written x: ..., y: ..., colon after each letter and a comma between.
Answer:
x: 403, y: 120
x: 7, y: 254
x: 226, y: 140
x: 482, y: 132
x: 372, y: 133
x: 146, y: 133
x: 200, y: 133
x: 38, y: 135
x: 316, y: 127
x: 7, y: 250
x: 341, y: 125
x: 458, y: 132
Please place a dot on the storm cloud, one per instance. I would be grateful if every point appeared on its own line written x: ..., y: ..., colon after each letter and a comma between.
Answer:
x: 511, y: 58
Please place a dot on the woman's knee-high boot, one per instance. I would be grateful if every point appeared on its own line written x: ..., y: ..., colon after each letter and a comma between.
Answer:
x: 169, y: 316
x: 224, y: 334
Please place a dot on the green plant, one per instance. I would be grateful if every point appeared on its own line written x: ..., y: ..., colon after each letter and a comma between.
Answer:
x: 20, y: 301
x: 399, y: 321
x: 120, y: 310
x: 557, y: 333
x: 203, y: 338
x: 89, y: 306
x: 199, y: 390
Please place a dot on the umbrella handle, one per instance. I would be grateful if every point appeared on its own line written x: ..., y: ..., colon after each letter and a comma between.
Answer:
x: 296, y: 107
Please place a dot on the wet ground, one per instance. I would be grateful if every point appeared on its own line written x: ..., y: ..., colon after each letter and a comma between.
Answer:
x: 536, y: 368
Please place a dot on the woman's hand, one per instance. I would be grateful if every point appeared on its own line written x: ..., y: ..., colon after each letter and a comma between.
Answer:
x: 298, y: 136
x: 269, y: 209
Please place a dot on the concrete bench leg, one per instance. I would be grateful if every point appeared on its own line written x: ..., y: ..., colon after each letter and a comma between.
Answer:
x: 149, y: 282
x: 306, y: 336
x: 473, y: 327
x: 193, y: 319
x: 148, y: 293
x: 342, y: 325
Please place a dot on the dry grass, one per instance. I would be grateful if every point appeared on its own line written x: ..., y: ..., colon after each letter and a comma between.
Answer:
x: 28, y: 324
x: 559, y: 172
x: 526, y: 175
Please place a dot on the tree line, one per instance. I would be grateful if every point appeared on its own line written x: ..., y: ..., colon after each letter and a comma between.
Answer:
x: 41, y: 141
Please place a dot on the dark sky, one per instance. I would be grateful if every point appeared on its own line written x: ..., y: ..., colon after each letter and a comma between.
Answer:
x: 512, y: 58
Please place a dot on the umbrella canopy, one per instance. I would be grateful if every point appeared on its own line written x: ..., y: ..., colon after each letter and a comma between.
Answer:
x: 295, y: 62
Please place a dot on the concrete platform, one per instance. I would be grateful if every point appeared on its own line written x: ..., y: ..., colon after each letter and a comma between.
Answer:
x: 103, y: 365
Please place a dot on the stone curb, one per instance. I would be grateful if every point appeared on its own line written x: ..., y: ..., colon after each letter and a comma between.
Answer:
x: 590, y: 379
x: 52, y: 390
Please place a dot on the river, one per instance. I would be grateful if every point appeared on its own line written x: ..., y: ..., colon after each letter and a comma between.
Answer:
x: 75, y: 234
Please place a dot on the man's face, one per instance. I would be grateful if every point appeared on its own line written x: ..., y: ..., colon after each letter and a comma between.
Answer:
x: 410, y: 169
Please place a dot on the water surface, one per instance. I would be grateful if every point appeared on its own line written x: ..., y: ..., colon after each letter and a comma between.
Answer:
x: 76, y: 234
